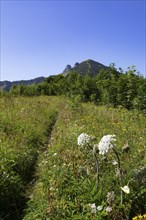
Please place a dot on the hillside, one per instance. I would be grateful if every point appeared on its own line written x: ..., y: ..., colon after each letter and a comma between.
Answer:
x: 6, y: 85
x: 89, y: 67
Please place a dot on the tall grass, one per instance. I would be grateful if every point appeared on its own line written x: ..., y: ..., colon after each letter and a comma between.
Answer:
x: 66, y: 186
x: 25, y: 126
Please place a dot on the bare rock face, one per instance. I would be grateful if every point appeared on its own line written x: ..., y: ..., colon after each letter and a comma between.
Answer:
x: 76, y: 65
x: 67, y: 68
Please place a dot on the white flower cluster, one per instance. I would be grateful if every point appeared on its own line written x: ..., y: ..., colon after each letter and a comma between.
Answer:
x: 99, y: 208
x: 93, y: 207
x: 83, y: 139
x: 106, y: 144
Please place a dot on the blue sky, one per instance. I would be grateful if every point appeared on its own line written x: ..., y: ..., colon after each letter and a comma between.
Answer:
x: 39, y: 38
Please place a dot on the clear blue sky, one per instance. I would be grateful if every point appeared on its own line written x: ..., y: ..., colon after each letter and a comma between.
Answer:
x: 39, y: 38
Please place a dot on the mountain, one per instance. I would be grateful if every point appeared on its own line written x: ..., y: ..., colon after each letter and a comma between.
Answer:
x: 90, y: 67
x: 6, y: 85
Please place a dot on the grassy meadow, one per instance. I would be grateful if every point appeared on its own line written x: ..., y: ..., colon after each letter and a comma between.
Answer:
x: 25, y: 125
x: 48, y: 175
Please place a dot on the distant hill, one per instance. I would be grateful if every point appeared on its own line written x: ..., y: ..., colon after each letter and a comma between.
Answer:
x: 90, y: 67
x: 6, y: 85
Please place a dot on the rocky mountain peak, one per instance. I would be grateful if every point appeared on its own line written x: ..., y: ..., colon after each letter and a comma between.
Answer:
x: 67, y: 68
x: 76, y: 65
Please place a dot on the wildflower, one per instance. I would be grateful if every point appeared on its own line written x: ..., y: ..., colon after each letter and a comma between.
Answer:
x: 126, y: 189
x: 99, y: 208
x: 83, y: 139
x: 108, y: 209
x: 105, y: 144
x: 93, y: 207
x: 114, y: 162
x: 52, y: 188
x: 139, y: 217
x: 54, y: 154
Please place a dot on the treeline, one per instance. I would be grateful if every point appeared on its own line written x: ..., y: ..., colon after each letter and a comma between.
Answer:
x: 109, y: 87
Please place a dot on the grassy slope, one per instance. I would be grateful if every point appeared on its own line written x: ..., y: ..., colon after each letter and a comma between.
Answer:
x: 67, y: 175
x: 25, y: 124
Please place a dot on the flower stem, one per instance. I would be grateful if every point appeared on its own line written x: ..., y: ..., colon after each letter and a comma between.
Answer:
x: 120, y: 172
x: 97, y: 169
x: 97, y: 165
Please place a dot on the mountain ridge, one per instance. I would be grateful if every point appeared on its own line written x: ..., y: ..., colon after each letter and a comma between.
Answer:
x: 6, y: 85
x: 89, y: 66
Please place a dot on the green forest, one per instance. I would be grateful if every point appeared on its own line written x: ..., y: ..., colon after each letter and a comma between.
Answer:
x: 109, y: 87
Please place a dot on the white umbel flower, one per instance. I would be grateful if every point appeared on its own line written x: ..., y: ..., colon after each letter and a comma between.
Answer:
x: 106, y: 144
x: 83, y: 139
x: 93, y: 207
x: 126, y: 189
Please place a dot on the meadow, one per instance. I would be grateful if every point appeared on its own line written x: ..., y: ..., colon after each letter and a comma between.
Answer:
x: 49, y: 174
x: 25, y: 125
